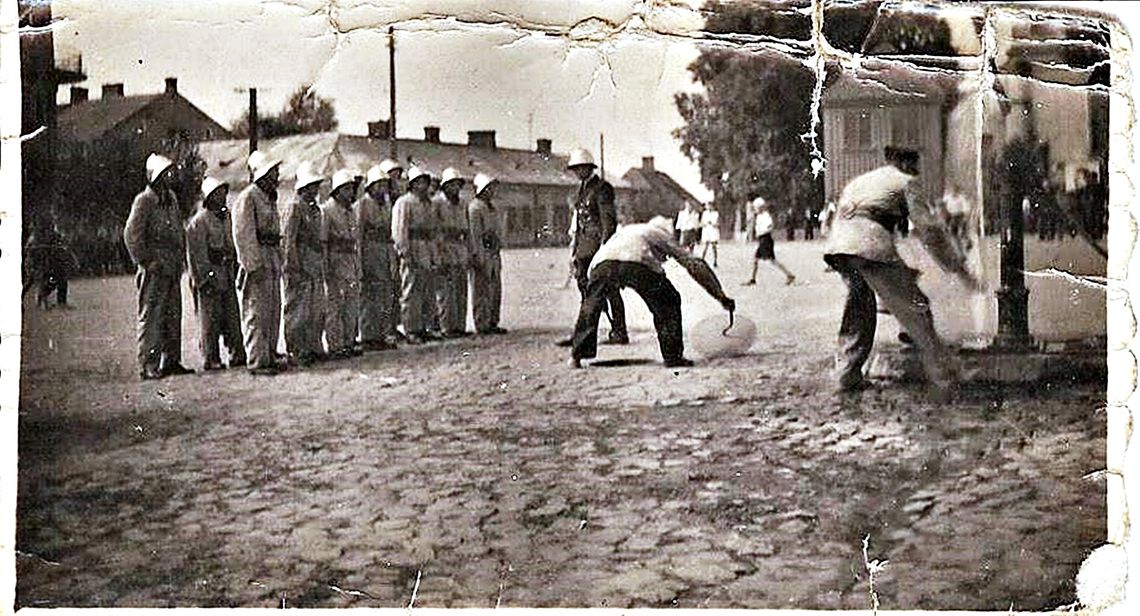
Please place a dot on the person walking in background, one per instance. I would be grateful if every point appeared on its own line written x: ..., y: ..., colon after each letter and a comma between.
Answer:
x: 412, y: 237
x: 342, y: 267
x: 257, y: 239
x: 762, y: 227
x: 48, y: 263
x: 710, y: 231
x: 486, y: 266
x: 303, y: 279
x: 213, y: 266
x: 595, y: 220
x: 378, y: 308
x: 689, y: 226
x: 454, y: 255
x: 157, y: 243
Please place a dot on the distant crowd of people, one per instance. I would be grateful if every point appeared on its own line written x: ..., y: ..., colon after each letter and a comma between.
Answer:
x: 382, y: 261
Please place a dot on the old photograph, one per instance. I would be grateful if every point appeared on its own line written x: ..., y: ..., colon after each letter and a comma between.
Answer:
x: 700, y: 304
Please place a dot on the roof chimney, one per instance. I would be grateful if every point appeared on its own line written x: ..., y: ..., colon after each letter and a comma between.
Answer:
x: 431, y: 134
x: 378, y: 129
x: 647, y: 163
x: 78, y: 95
x: 112, y: 90
x: 172, y: 85
x: 544, y: 147
x: 481, y: 138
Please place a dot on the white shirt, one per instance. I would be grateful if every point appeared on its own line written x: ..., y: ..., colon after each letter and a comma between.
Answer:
x: 643, y: 243
x: 763, y: 223
x: 688, y: 220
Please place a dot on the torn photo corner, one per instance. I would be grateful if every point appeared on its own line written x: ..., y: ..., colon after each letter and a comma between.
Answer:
x: 305, y: 284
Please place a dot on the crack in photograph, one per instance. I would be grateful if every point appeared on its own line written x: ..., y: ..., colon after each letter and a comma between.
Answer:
x: 688, y: 303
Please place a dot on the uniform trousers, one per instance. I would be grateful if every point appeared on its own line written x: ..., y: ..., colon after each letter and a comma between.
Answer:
x: 219, y: 317
x: 616, y: 310
x: 379, y: 304
x: 451, y: 298
x: 415, y: 297
x: 343, y: 297
x: 486, y: 292
x: 261, y: 310
x: 160, y: 316
x: 304, y: 313
x: 897, y: 286
x: 662, y: 299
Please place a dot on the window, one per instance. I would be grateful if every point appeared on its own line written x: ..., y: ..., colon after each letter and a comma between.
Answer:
x: 856, y: 130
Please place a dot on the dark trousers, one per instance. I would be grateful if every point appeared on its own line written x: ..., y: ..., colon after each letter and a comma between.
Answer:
x: 608, y: 278
x: 616, y: 305
x: 160, y: 317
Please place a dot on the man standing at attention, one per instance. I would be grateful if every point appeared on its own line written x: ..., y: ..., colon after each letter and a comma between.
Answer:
x: 342, y: 266
x: 486, y: 266
x: 454, y: 255
x: 412, y: 237
x: 304, y: 277
x: 377, y: 286
x: 257, y: 239
x: 157, y: 243
x: 595, y: 220
x: 213, y: 265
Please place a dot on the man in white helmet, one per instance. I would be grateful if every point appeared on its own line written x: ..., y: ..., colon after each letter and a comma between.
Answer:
x: 303, y: 253
x: 595, y: 218
x: 486, y: 267
x: 632, y: 258
x: 342, y: 266
x: 395, y: 172
x: 378, y: 298
x: 213, y: 266
x: 155, y: 238
x: 257, y: 239
x: 413, y: 237
x: 454, y: 255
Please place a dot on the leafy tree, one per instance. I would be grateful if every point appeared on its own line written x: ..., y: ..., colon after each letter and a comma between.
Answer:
x: 304, y: 113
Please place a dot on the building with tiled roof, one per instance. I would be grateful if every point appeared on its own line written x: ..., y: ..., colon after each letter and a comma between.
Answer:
x: 535, y: 188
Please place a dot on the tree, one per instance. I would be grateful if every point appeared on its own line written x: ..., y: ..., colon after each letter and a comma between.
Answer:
x: 746, y: 130
x: 304, y: 113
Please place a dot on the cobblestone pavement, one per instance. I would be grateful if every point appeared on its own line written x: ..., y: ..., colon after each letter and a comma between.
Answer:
x: 482, y: 472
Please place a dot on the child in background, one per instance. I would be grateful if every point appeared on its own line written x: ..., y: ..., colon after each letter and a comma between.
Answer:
x: 765, y: 246
x: 710, y: 231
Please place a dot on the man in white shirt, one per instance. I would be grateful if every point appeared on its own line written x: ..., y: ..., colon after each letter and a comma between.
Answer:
x: 632, y: 257
x: 689, y: 224
x: 762, y: 227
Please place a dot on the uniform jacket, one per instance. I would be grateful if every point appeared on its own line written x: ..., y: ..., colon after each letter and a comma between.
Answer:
x: 413, y: 228
x: 339, y: 232
x: 374, y: 239
x: 595, y: 216
x: 869, y: 208
x: 485, y: 236
x: 301, y: 245
x: 256, y: 227
x: 210, y: 251
x: 153, y: 234
x: 451, y: 219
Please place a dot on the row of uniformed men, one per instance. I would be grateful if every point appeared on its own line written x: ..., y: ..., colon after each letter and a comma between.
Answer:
x: 350, y: 268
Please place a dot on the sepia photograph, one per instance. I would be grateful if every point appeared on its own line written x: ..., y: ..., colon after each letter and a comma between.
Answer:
x: 780, y: 304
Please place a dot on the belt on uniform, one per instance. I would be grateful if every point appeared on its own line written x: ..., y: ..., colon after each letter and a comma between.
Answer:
x: 218, y: 255
x: 269, y: 239
x: 421, y: 234
x: 341, y: 245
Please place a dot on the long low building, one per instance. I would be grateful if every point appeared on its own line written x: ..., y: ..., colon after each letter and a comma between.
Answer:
x: 534, y: 199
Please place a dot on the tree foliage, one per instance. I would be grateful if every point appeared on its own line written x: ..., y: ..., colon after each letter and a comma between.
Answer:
x: 305, y: 112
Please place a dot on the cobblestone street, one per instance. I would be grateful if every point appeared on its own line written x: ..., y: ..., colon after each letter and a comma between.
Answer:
x: 483, y: 472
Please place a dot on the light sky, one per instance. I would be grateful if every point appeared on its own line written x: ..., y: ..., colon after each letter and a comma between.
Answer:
x: 527, y: 69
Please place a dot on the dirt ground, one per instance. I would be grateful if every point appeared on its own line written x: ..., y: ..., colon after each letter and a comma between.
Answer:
x: 484, y: 472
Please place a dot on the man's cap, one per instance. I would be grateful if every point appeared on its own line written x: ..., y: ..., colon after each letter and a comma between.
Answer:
x: 156, y: 165
x: 580, y: 156
x: 389, y: 165
x: 306, y: 176
x: 260, y: 164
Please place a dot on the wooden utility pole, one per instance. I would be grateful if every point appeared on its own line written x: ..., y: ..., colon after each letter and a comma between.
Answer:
x: 252, y: 120
x: 392, y: 92
x: 602, y: 155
